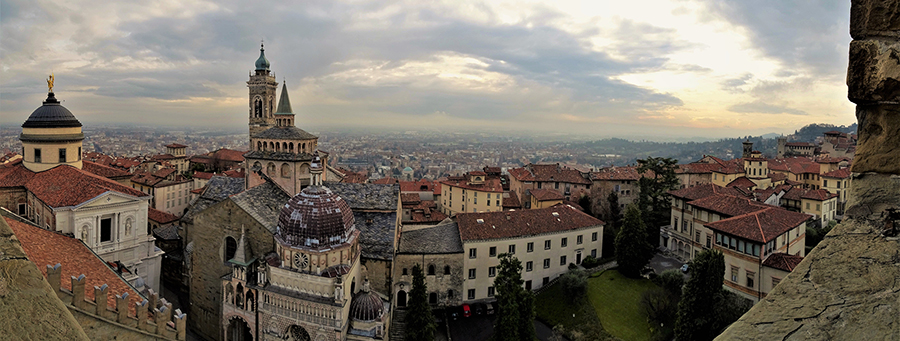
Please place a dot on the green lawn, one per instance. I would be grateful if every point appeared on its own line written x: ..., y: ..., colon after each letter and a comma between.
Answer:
x: 617, y: 301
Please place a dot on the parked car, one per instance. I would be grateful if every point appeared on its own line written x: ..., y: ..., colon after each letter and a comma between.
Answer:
x: 453, y: 313
x: 466, y: 311
x: 685, y: 268
x: 490, y: 308
x: 479, y: 308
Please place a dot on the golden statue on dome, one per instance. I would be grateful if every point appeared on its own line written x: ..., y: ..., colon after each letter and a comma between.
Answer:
x: 50, y: 83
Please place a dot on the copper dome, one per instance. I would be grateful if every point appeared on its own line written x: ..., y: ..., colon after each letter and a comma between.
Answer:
x: 366, y: 307
x: 315, y: 218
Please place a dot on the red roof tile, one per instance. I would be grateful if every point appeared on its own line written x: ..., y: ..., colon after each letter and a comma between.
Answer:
x: 777, y: 176
x: 409, y: 199
x: 510, y: 224
x: 760, y: 226
x: 548, y: 173
x: 65, y: 185
x: 703, y: 191
x: 104, y: 171
x: 616, y: 174
x: 728, y: 205
x: 490, y: 184
x: 234, y: 173
x: 742, y: 183
x: 795, y: 165
x: 843, y: 173
x: 229, y: 155
x: 385, y: 181
x: 14, y: 174
x: 818, y: 194
x: 45, y: 247
x: 782, y: 261
x: 417, y: 186
x: 546, y: 194
x: 160, y: 216
x: 203, y: 175
x: 511, y: 202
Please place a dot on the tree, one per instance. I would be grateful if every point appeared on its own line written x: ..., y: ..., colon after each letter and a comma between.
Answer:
x: 657, y: 179
x: 613, y: 220
x: 574, y: 284
x: 697, y: 312
x: 420, y: 324
x: 515, y: 318
x: 615, y: 214
x: 632, y: 249
x: 585, y: 203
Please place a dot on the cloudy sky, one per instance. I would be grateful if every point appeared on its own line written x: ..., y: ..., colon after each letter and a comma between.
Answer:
x: 709, y: 68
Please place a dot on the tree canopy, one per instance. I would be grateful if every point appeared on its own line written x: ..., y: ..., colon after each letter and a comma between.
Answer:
x: 420, y: 324
x: 658, y: 178
x: 703, y: 294
x: 632, y: 249
x: 515, y: 318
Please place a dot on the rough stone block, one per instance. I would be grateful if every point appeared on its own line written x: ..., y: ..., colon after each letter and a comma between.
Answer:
x: 873, y: 17
x: 878, y: 149
x: 874, y: 71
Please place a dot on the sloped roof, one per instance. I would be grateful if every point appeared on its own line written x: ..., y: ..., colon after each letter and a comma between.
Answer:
x: 702, y: 191
x: 285, y: 133
x: 617, y: 174
x: 549, y: 172
x: 728, y: 205
x: 45, y: 247
x: 423, y: 185
x: 104, y: 171
x: 367, y: 196
x: 65, y: 185
x: 160, y: 216
x: 843, y: 173
x: 511, y: 202
x: 782, y: 261
x: 795, y: 165
x: 760, y: 226
x: 217, y: 189
x: 490, y: 184
x: 546, y: 194
x: 741, y: 182
x: 229, y: 155
x: 818, y: 194
x: 439, y: 239
x: 263, y: 203
x: 511, y: 224
x: 167, y: 232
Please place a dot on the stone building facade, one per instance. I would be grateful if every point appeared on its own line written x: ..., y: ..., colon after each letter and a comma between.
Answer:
x: 439, y: 251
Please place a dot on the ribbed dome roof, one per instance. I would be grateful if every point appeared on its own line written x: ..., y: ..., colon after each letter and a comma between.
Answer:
x: 51, y: 115
x: 262, y: 63
x: 315, y: 218
x: 366, y: 306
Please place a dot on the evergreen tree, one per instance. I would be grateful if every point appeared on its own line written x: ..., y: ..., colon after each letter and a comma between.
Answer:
x: 702, y: 295
x: 632, y: 249
x: 420, y: 324
x: 657, y: 179
x: 515, y: 318
x: 613, y: 221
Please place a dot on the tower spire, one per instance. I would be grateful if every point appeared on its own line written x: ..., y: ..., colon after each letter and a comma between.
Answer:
x: 284, y: 104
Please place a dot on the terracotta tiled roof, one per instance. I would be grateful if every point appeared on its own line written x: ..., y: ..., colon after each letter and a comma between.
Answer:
x: 697, y: 168
x: 65, y: 185
x: 229, y: 155
x: 44, y: 248
x: 546, y: 194
x: 477, y: 173
x: 491, y: 184
x: 146, y: 179
x: 511, y: 202
x: 437, y: 188
x: 798, y: 144
x: 163, y: 157
x: 14, y: 174
x: 843, y: 173
x: 234, y: 173
x: 385, y: 181
x: 616, y: 173
x: 742, y: 183
x: 203, y: 175
x: 548, y: 173
x: 492, y: 170
x: 409, y: 199
x: 777, y: 176
x: 782, y: 261
x: 703, y: 191
x: 104, y: 171
x: 735, y: 166
x: 199, y: 190
x: 176, y: 145
x: 417, y: 186
x: 795, y: 165
x: 163, y: 173
x: 760, y: 226
x: 818, y: 195
x: 427, y: 212
x: 510, y: 224
x: 728, y: 205
x: 160, y: 216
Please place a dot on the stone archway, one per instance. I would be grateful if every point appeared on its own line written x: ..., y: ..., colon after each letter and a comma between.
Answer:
x: 238, y: 330
x: 401, y: 298
x: 296, y: 333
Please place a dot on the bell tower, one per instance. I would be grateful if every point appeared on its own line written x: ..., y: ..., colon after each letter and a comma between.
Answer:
x: 262, y: 86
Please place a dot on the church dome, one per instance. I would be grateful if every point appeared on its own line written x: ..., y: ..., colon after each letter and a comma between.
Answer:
x: 262, y: 63
x: 51, y: 115
x: 315, y: 218
x: 366, y: 306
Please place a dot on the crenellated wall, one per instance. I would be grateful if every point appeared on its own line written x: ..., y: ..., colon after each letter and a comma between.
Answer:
x: 848, y: 287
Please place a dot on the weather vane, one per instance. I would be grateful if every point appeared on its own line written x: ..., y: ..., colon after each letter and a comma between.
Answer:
x: 50, y: 82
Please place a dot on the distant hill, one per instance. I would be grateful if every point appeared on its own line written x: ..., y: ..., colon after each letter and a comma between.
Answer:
x: 810, y: 132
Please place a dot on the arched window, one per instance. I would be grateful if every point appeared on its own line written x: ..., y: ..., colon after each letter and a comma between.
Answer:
x: 291, y: 146
x: 277, y: 147
x: 304, y: 147
x: 285, y: 170
x: 432, y: 298
x: 257, y: 165
x: 431, y: 269
x: 258, y: 108
x: 239, y: 296
x: 272, y: 146
x: 284, y: 146
x: 270, y: 169
x: 230, y: 248
x: 447, y: 270
x: 258, y: 145
x: 450, y: 294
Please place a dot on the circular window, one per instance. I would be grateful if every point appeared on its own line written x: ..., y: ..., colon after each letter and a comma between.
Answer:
x: 301, y: 261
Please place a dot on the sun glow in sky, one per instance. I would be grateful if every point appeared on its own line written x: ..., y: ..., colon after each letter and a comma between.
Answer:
x: 640, y: 69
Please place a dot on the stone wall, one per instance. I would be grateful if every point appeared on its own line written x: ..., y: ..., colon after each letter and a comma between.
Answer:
x: 847, y: 288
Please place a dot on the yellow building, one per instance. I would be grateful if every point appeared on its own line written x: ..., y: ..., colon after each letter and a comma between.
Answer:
x: 473, y: 192
x: 544, y: 198
x: 838, y: 182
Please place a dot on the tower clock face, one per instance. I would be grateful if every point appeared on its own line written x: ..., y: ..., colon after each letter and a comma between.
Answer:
x: 301, y: 261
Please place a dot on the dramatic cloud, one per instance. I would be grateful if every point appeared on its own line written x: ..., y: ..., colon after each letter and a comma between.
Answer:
x: 664, y: 67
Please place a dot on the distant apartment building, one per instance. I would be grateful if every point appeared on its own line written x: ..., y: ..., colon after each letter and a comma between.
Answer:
x: 838, y: 182
x: 544, y: 240
x: 544, y: 198
x: 819, y: 203
x: 622, y: 180
x: 473, y: 192
x: 171, y: 192
x: 570, y: 182
x: 418, y: 212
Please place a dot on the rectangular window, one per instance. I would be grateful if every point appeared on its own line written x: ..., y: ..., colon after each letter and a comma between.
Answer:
x: 473, y: 253
x: 528, y: 266
x: 497, y: 202
x: 750, y: 276
x: 546, y: 263
x: 62, y: 155
x: 775, y: 281
x: 37, y: 155
x: 471, y: 294
x: 79, y: 153
x: 492, y: 252
x: 492, y: 271
x: 530, y: 247
x: 594, y: 253
x: 106, y: 230
x: 512, y: 249
x: 734, y: 274
x: 546, y: 245
x: 490, y: 291
x: 818, y: 207
x: 733, y: 244
x: 594, y: 237
x: 564, y: 242
x: 740, y: 246
x: 708, y: 241
x: 528, y: 285
x: 562, y: 260
x: 697, y: 236
x: 579, y: 240
x: 756, y: 250
x: 471, y: 273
